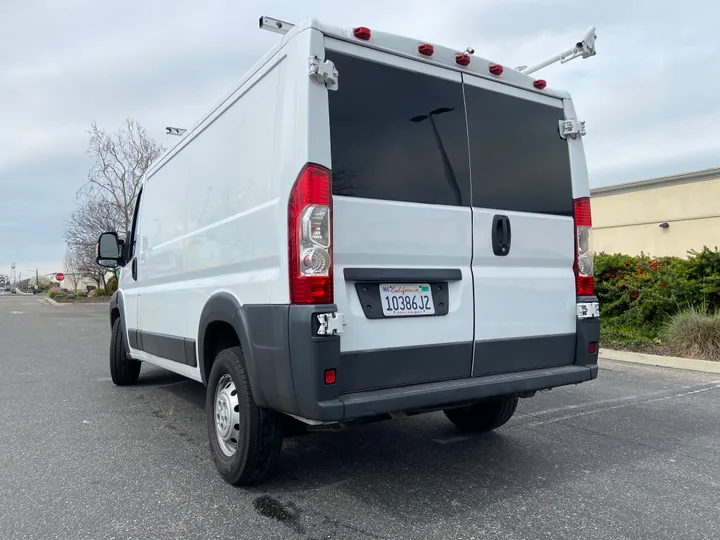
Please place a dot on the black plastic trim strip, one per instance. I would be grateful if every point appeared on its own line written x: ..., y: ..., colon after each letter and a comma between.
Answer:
x: 402, y: 275
x: 174, y: 348
x: 518, y: 354
x: 133, y: 338
x: 385, y: 368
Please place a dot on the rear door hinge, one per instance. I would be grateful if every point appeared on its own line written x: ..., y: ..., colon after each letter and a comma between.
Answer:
x: 572, y: 127
x: 324, y: 72
x: 588, y: 310
x: 331, y: 324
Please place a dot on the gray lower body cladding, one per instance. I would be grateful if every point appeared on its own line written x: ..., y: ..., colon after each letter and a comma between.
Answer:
x: 287, y: 361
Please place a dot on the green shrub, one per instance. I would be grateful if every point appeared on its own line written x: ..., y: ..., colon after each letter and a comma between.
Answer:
x: 639, y: 295
x: 82, y: 294
x: 97, y: 292
x: 52, y: 294
x: 694, y: 333
x: 112, y: 285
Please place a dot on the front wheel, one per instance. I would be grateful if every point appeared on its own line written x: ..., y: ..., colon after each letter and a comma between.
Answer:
x: 245, y: 440
x: 483, y: 416
x: 123, y: 369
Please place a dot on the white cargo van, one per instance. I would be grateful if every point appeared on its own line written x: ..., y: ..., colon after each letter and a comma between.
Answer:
x: 369, y: 226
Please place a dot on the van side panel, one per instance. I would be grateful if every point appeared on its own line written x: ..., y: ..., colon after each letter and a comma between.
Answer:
x: 213, y: 216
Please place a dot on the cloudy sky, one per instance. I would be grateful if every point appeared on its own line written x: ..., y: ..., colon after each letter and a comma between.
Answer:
x: 648, y: 97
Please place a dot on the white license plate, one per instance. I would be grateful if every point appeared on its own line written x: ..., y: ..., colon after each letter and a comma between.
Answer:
x: 406, y: 300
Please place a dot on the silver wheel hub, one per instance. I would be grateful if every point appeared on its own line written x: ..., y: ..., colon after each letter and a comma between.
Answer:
x: 227, y: 415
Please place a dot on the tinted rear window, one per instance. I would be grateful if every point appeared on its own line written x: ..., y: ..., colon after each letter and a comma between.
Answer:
x: 402, y: 136
x: 519, y: 161
x: 397, y: 135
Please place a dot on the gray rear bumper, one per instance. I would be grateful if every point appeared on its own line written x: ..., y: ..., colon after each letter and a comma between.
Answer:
x: 444, y: 393
x: 286, y: 361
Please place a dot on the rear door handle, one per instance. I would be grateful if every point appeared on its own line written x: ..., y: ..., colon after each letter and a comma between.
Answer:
x: 134, y: 268
x: 501, y: 235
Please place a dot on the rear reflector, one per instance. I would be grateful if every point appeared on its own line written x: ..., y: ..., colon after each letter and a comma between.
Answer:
x: 463, y: 59
x: 362, y: 32
x: 540, y: 84
x: 584, y: 256
x: 426, y: 49
x: 592, y: 347
x: 310, y: 255
x: 330, y: 376
x: 495, y: 69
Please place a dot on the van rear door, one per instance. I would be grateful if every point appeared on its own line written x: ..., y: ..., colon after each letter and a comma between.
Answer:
x: 402, y: 220
x: 523, y: 230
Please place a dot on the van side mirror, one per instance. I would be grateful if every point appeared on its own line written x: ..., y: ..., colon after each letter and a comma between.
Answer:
x: 109, y: 250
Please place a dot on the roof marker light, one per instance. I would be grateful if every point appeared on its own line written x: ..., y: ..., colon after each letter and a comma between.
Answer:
x: 426, y: 49
x: 463, y: 59
x: 540, y: 84
x: 362, y: 32
x: 495, y: 69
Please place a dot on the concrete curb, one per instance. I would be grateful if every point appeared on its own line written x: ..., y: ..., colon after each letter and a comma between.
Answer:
x: 63, y: 304
x: 705, y: 366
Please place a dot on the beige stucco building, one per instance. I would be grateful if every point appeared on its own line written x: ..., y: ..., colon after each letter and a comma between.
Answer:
x: 658, y: 217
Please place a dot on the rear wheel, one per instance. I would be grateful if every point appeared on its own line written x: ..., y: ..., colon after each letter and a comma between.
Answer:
x: 483, y: 416
x: 123, y: 369
x: 245, y: 440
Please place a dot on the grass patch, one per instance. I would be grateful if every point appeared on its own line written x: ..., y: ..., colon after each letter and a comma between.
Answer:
x: 694, y: 333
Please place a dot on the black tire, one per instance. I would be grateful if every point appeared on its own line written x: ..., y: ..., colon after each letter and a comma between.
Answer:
x: 123, y: 369
x: 257, y: 433
x: 483, y: 416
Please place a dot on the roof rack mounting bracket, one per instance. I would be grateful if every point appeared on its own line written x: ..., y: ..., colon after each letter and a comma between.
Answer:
x: 275, y: 25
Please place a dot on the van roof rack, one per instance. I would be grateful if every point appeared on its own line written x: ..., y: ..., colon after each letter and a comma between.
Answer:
x: 584, y: 48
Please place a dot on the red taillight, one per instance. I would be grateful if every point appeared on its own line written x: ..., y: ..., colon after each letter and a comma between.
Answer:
x: 310, y: 237
x: 582, y: 212
x: 495, y: 69
x: 330, y: 376
x: 592, y: 347
x: 540, y: 84
x: 362, y: 32
x: 426, y: 49
x: 463, y: 59
x: 584, y: 271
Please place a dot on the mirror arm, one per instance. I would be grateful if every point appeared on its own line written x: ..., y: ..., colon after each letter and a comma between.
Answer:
x: 121, y: 251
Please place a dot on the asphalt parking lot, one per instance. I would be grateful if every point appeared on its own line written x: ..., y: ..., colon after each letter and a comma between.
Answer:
x: 633, y: 455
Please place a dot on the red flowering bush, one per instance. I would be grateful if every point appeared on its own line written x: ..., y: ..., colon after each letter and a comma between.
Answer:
x: 639, y: 295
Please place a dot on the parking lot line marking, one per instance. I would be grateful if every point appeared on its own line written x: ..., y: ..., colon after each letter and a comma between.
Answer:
x: 450, y: 440
x: 632, y: 398
x: 622, y: 402
x: 623, y: 405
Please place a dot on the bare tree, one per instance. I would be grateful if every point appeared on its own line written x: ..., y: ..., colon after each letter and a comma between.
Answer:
x: 118, y: 162
x: 107, y: 200
x: 82, y: 230
x: 72, y: 268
